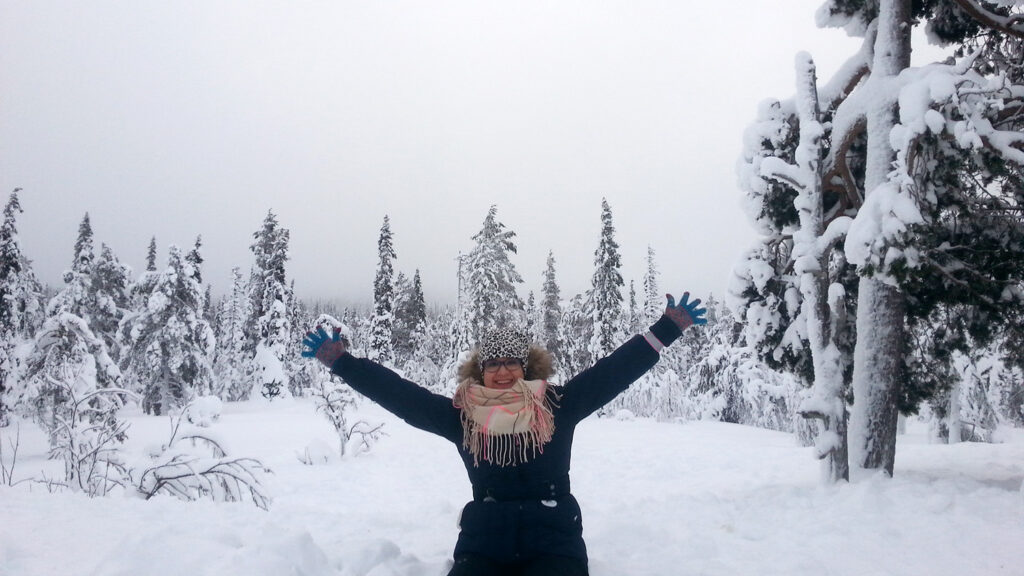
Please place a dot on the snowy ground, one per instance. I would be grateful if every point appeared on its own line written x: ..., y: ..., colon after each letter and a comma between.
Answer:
x: 657, y: 498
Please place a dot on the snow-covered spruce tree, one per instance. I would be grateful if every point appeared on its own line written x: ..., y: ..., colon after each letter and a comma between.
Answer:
x: 410, y: 324
x: 633, y: 315
x: 530, y: 313
x: 604, y: 299
x: 142, y: 287
x: 550, y: 310
x: 110, y: 298
x: 20, y: 301
x: 575, y: 331
x: 74, y: 298
x: 169, y: 345
x: 231, y: 359
x: 268, y: 329
x: 723, y: 379
x: 300, y: 372
x: 383, y: 317
x: 402, y: 287
x: 66, y: 355
x: 654, y: 300
x: 491, y: 279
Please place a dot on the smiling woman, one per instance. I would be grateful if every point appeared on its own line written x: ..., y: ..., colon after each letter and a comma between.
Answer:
x: 514, y: 431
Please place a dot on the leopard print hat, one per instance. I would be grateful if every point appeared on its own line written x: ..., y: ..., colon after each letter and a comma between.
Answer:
x: 504, y: 343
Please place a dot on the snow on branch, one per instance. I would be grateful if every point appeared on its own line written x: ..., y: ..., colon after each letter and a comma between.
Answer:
x: 1012, y: 25
x: 955, y: 104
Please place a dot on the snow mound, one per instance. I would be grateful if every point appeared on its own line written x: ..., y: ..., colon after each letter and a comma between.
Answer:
x: 204, y: 411
x: 197, y: 550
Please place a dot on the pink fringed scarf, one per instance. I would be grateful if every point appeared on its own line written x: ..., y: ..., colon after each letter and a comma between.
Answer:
x: 504, y: 427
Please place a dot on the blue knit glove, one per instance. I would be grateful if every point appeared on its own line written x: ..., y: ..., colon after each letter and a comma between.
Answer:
x: 324, y: 348
x: 687, y: 313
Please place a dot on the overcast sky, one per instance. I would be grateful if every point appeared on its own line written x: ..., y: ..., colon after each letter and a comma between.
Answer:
x: 174, y: 119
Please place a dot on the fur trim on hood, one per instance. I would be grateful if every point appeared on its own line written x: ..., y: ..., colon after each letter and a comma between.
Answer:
x: 539, y: 365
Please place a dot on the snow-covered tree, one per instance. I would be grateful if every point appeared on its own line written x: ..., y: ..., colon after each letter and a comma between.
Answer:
x: 410, y: 317
x: 799, y: 318
x: 383, y: 319
x: 299, y: 370
x: 143, y: 285
x: 633, y: 317
x: 75, y: 297
x: 917, y: 168
x: 110, y: 297
x: 20, y: 300
x: 169, y: 345
x: 574, y: 338
x: 268, y: 327
x: 605, y: 295
x: 70, y: 387
x: 654, y: 300
x: 151, y: 255
x: 491, y: 279
x: 550, y: 309
x: 232, y: 357
x: 530, y: 313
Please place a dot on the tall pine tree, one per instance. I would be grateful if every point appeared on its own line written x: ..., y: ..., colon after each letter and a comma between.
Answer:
x: 550, y: 309
x: 654, y: 301
x: 20, y: 300
x: 269, y: 328
x: 382, y: 321
x: 605, y: 296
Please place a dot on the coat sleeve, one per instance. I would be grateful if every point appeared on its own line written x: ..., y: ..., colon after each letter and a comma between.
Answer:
x: 411, y: 402
x: 611, y: 375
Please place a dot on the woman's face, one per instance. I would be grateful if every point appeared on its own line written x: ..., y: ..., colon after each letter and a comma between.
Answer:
x: 502, y: 373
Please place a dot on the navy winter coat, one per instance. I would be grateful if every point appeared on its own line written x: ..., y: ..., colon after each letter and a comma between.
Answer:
x: 522, y: 511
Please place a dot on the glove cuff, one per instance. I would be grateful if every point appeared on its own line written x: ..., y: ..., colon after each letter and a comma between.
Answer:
x: 666, y: 330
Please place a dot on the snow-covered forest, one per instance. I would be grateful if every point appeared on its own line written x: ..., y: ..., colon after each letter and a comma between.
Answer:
x: 885, y: 290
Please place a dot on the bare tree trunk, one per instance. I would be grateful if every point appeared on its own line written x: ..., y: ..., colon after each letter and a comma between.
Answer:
x: 878, y: 357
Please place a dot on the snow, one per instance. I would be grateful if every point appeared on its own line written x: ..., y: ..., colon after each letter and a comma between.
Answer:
x: 658, y: 498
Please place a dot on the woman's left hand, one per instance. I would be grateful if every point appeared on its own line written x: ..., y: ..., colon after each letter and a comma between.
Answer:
x: 687, y: 313
x: 324, y: 348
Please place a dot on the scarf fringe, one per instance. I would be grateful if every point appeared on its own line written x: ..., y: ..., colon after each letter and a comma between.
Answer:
x: 504, y: 447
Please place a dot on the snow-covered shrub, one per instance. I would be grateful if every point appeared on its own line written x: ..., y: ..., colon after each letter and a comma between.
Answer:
x: 194, y: 465
x: 334, y: 400
x: 9, y: 463
x: 88, y: 437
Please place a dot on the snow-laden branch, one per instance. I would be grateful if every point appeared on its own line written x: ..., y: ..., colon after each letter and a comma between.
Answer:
x: 776, y: 168
x: 952, y: 102
x: 183, y: 471
x: 1012, y: 25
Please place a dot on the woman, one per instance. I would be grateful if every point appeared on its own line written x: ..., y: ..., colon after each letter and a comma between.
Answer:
x: 514, y: 432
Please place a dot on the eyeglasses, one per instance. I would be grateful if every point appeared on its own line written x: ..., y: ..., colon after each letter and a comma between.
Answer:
x: 510, y: 364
